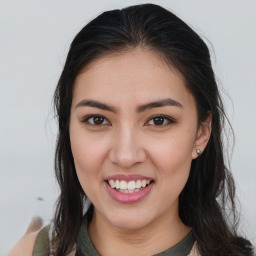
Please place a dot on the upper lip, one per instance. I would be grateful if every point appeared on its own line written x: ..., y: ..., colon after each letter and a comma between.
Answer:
x: 128, y: 177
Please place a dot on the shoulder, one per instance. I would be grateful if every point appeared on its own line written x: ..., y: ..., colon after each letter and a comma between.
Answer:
x: 25, y: 246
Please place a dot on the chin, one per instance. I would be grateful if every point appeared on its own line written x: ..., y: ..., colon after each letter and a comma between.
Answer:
x: 129, y: 221
x: 129, y: 225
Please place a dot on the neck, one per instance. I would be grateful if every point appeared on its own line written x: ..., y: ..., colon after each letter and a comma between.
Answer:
x: 154, y: 238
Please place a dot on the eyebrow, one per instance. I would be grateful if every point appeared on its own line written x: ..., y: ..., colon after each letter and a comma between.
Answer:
x: 96, y: 104
x: 139, y: 109
x: 159, y: 103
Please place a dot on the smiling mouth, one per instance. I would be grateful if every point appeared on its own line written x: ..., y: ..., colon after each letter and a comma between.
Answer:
x: 132, y: 186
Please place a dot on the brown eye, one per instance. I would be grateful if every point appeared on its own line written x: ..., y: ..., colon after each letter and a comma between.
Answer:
x: 96, y: 120
x: 160, y: 121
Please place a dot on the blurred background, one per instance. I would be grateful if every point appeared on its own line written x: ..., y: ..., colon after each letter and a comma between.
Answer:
x: 34, y: 39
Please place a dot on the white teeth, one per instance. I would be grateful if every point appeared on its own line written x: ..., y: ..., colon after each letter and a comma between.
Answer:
x: 111, y: 183
x: 138, y: 184
x: 131, y: 185
x: 117, y: 184
x: 123, y: 184
x: 143, y: 183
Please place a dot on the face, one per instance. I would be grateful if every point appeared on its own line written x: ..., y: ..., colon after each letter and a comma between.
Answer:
x: 133, y: 133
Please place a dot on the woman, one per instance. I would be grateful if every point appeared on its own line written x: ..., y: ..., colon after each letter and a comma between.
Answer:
x: 140, y: 136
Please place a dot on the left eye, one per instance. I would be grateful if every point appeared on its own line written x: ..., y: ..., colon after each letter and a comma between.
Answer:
x: 96, y: 120
x: 160, y: 121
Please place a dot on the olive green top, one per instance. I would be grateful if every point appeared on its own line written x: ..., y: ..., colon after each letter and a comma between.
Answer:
x: 85, y: 246
x: 41, y: 247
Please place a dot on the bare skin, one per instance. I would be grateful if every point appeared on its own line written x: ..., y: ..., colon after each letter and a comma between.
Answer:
x: 26, y: 244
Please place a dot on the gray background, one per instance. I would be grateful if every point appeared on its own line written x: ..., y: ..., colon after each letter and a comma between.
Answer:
x: 34, y: 40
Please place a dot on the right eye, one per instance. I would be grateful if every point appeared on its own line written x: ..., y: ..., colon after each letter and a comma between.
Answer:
x: 95, y: 120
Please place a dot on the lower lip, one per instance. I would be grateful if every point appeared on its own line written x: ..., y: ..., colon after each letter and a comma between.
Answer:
x: 129, y: 197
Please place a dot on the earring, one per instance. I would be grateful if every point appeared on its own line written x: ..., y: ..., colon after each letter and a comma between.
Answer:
x: 198, y: 151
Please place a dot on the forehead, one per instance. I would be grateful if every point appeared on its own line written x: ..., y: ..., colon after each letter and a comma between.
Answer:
x: 138, y: 75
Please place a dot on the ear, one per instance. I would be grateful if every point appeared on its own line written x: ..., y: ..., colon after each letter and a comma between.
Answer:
x: 203, y: 136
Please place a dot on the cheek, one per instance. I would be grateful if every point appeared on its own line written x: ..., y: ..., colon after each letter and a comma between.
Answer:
x: 87, y: 149
x: 88, y: 154
x: 172, y: 154
x: 87, y: 163
x: 172, y: 160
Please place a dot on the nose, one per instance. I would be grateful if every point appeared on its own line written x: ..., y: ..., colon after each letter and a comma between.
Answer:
x: 127, y: 148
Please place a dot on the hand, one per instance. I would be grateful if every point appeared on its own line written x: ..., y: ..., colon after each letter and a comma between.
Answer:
x: 26, y: 244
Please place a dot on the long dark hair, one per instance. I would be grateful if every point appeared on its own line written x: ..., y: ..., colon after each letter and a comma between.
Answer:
x: 210, y: 188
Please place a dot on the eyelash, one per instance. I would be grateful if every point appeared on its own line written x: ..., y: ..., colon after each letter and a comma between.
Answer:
x: 167, y: 120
